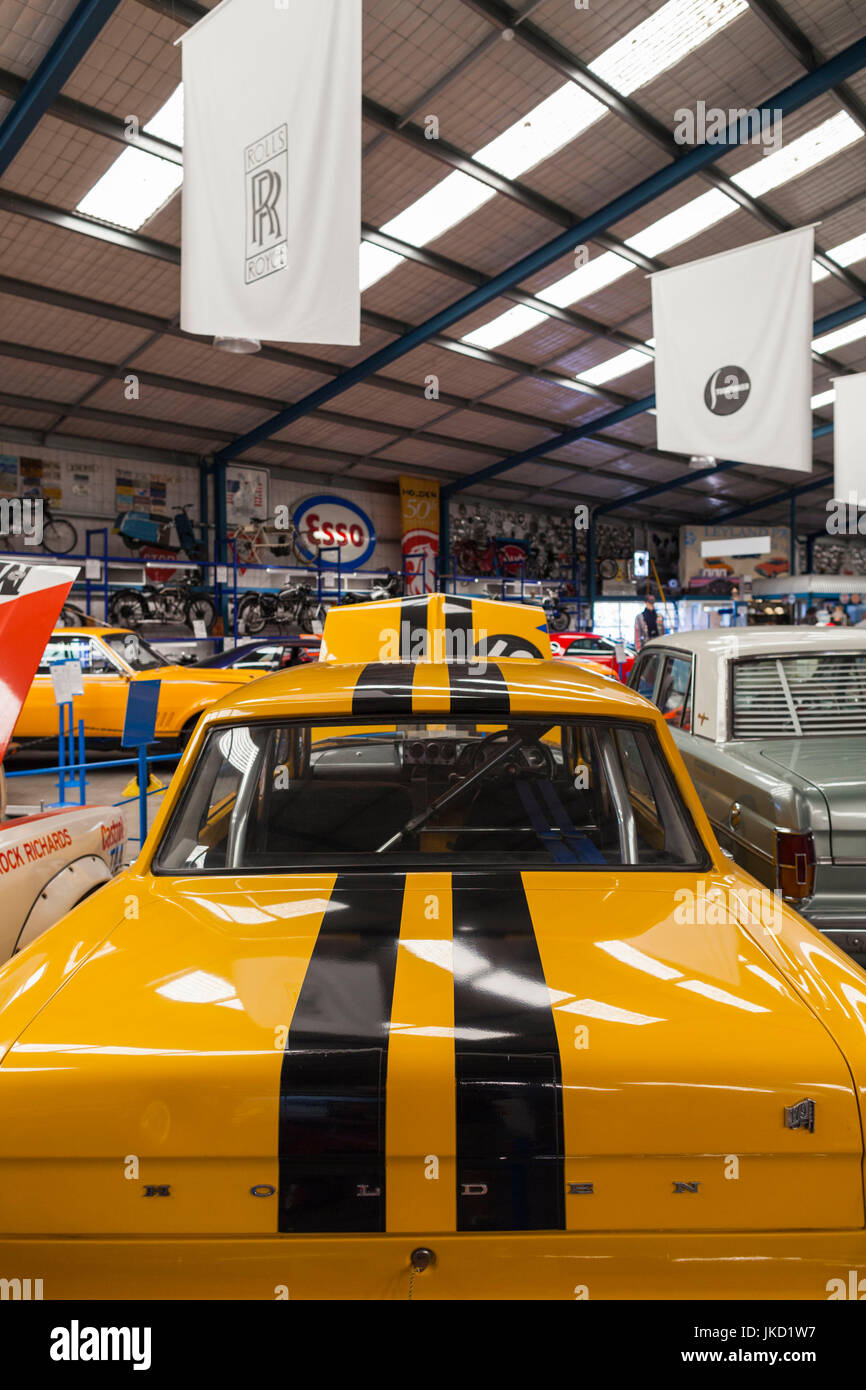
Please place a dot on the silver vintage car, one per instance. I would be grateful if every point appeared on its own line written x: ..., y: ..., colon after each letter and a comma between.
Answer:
x: 771, y: 722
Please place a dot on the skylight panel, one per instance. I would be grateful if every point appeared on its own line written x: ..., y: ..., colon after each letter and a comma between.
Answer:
x: 435, y: 212
x: 375, y: 262
x: 684, y: 223
x: 137, y: 184
x: 809, y: 150
x: 696, y: 216
x: 650, y: 49
x: 132, y: 189
x: 825, y: 398
x: 662, y: 40
x: 508, y: 325
x: 556, y: 121
x: 167, y: 124
x: 840, y: 337
x: 625, y: 362
x: 587, y: 280
x: 847, y: 253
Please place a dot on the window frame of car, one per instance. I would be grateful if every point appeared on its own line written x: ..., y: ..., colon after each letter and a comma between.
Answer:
x: 665, y: 654
x: 117, y: 668
x: 363, y: 864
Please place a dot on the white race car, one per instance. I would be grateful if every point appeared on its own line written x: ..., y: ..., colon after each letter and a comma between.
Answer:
x: 51, y: 861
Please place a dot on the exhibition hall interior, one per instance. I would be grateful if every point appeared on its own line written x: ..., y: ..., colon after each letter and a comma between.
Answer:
x: 446, y: 419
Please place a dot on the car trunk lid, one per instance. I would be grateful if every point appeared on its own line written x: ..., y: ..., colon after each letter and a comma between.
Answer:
x: 832, y: 767
x: 424, y: 1052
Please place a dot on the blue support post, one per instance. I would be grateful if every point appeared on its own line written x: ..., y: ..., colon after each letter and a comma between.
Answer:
x: 61, y: 755
x: 82, y: 765
x: 142, y: 793
x: 444, y: 538
x: 103, y: 558
x: 590, y: 571
x: 203, y: 505
x: 220, y: 552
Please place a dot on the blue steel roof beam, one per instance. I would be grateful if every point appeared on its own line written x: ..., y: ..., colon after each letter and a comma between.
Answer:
x: 626, y: 412
x: 791, y: 98
x: 77, y: 113
x: 113, y: 128
x: 644, y: 494
x: 61, y: 60
x: 627, y: 109
x: 777, y: 498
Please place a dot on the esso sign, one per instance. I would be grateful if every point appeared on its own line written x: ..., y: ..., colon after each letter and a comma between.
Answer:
x: 326, y: 524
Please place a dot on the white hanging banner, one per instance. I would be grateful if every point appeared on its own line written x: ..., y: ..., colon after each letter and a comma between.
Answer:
x: 272, y: 171
x: 849, y: 440
x: 733, y: 363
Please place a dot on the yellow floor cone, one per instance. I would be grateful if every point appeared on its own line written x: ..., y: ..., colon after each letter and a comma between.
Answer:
x: 153, y: 785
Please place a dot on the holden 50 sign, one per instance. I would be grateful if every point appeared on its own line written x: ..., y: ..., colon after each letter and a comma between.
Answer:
x: 326, y: 524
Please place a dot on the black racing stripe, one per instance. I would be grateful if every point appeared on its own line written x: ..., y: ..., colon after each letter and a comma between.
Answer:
x: 510, y: 1164
x: 414, y: 637
x: 384, y: 687
x: 458, y: 628
x: 332, y: 1082
x: 478, y: 688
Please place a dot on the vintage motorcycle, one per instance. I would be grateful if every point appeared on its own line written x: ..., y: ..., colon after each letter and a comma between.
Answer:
x: 183, y: 602
x: 297, y: 606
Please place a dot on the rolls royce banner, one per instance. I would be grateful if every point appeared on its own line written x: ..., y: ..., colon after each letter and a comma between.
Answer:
x: 849, y: 440
x: 419, y: 509
x: 733, y: 366
x: 272, y: 171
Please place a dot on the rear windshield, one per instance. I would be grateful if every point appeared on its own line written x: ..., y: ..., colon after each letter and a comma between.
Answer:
x: 288, y: 796
x: 777, y: 697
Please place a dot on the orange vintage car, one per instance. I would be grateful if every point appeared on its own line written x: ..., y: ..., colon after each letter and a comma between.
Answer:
x: 111, y: 658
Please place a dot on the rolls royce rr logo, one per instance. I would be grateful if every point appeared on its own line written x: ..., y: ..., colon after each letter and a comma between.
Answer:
x: 266, y: 174
x: 801, y: 1115
x: 727, y: 390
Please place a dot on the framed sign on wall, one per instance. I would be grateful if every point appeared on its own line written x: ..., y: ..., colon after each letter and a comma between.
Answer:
x: 247, y: 495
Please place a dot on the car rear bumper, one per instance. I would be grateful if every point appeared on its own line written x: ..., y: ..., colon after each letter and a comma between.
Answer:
x: 799, y: 1265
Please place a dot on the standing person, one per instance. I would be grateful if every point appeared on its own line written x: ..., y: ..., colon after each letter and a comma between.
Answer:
x: 855, y: 609
x: 648, y: 623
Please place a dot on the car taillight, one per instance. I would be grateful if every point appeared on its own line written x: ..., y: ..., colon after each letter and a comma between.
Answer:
x: 795, y: 864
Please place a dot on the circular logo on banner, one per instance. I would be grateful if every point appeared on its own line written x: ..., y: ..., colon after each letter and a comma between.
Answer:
x: 327, y: 525
x: 727, y: 390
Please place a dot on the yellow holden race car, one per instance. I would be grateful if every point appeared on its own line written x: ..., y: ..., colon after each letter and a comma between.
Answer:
x: 431, y: 981
x: 110, y: 659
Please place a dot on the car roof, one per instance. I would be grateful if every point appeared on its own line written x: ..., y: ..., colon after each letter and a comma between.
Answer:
x: 752, y: 641
x: 518, y: 686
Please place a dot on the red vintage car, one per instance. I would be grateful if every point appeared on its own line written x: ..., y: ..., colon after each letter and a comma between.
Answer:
x: 591, y: 646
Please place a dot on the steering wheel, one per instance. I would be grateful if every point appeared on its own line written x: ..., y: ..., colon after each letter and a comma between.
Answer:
x: 532, y: 758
